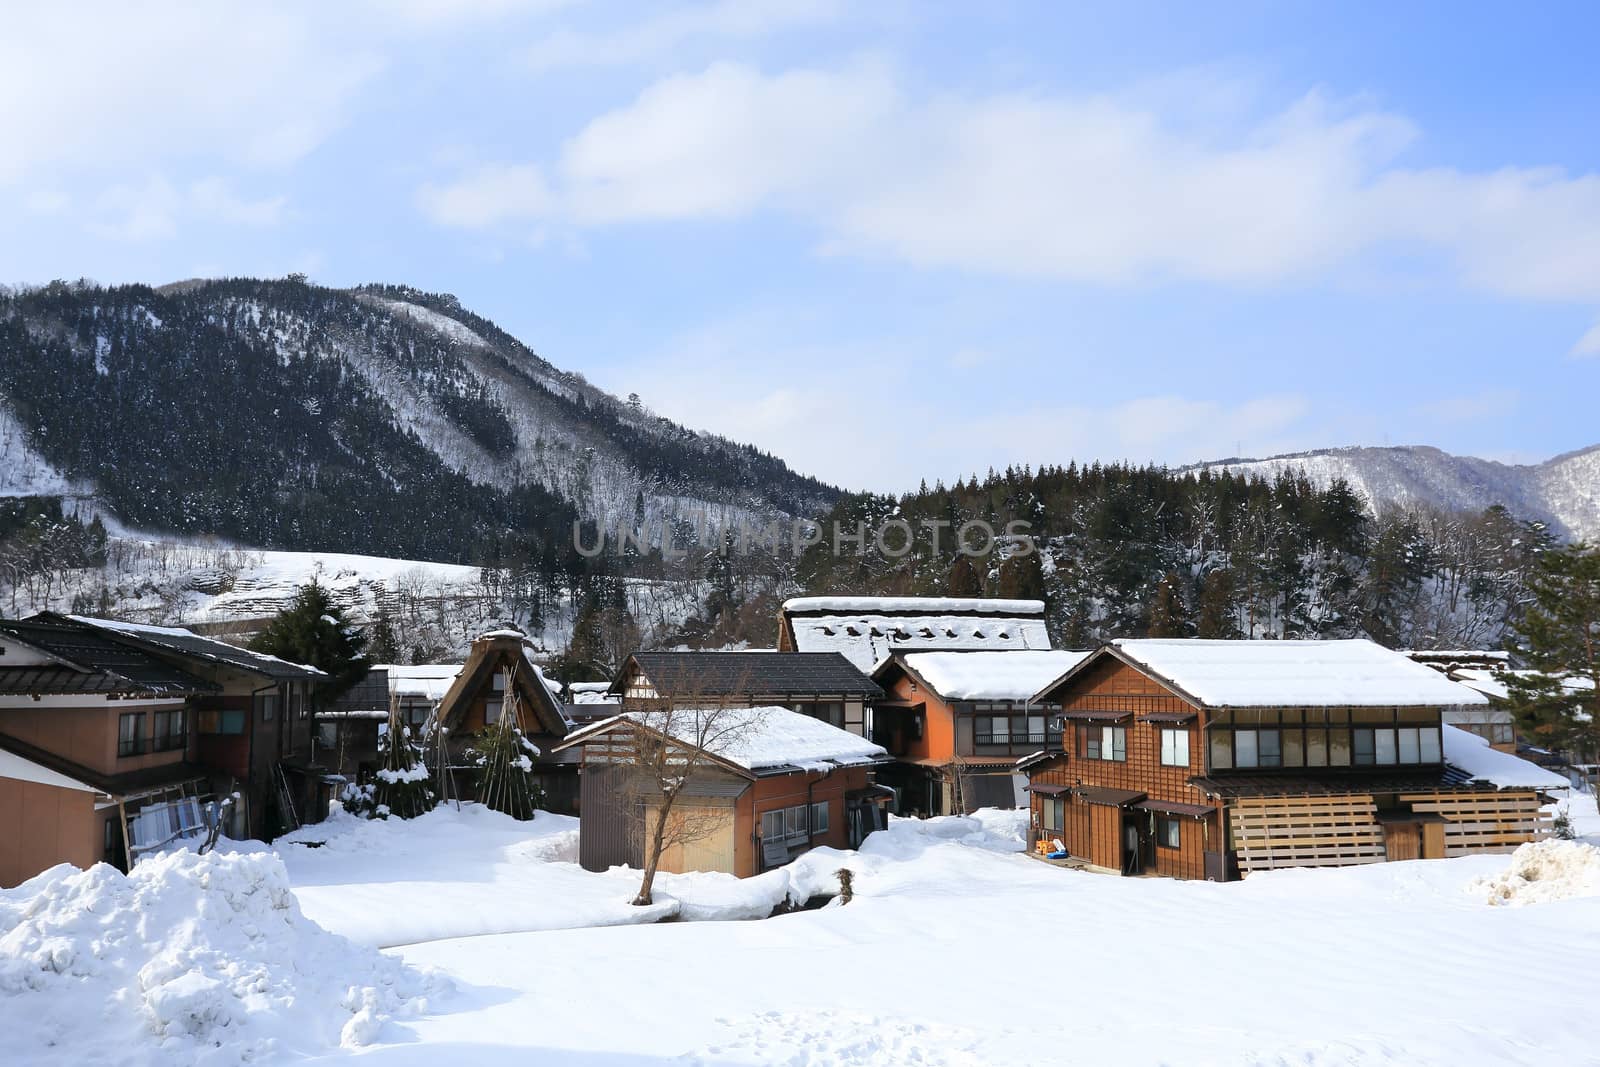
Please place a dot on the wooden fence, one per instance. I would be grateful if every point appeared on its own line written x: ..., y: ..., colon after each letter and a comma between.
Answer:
x: 1483, y: 821
x: 1305, y: 831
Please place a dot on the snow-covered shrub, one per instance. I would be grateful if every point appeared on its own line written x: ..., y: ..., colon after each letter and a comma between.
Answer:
x: 402, y: 785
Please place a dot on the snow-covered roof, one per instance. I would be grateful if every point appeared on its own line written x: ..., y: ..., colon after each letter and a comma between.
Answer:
x: 1492, y: 683
x: 866, y: 629
x: 931, y: 605
x: 1471, y: 753
x: 427, y: 681
x: 1245, y: 674
x: 1014, y: 674
x: 759, y: 740
x: 178, y: 639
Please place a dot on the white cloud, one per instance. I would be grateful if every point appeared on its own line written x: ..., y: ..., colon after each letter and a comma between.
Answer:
x: 1108, y: 188
x: 819, y: 405
x: 101, y: 86
x: 1588, y: 346
x: 640, y: 40
x: 154, y: 208
x: 487, y: 196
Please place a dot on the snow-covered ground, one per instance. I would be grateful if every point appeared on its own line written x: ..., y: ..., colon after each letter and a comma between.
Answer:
x: 957, y: 949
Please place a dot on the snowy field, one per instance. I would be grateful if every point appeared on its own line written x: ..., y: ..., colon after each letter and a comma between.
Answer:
x: 956, y: 950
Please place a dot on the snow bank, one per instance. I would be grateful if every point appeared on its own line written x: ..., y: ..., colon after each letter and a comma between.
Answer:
x: 1544, y: 871
x: 202, y: 959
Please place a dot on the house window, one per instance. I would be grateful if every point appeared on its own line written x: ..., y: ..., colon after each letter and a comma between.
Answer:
x: 1221, y: 750
x: 1384, y: 746
x: 819, y: 817
x: 1410, y: 746
x: 772, y: 825
x: 130, y: 733
x: 1362, y: 748
x: 1051, y: 814
x: 1428, y: 744
x: 1499, y: 734
x: 1035, y: 729
x: 299, y: 706
x: 1169, y: 832
x: 269, y: 706
x: 1114, y: 743
x: 221, y: 721
x: 794, y: 822
x: 829, y: 711
x: 499, y: 681
x: 1174, y: 748
x: 1052, y: 731
x: 1244, y: 749
x: 491, y: 711
x: 169, y: 730
x: 992, y: 730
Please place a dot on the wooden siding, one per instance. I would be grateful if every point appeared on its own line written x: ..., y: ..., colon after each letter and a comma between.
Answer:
x: 1485, y: 821
x: 1306, y: 831
x: 43, y: 825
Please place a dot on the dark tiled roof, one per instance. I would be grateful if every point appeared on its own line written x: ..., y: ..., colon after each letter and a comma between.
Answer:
x: 184, y: 643
x: 1257, y: 785
x: 770, y: 673
x: 102, y: 664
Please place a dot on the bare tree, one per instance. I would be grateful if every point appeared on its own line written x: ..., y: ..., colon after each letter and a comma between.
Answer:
x: 664, y: 748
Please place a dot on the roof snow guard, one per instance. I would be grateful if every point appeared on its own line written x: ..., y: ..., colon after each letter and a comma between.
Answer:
x: 866, y: 629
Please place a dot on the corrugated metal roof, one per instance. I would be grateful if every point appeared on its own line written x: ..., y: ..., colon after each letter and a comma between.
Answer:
x: 183, y: 642
x: 104, y: 664
x: 1251, y: 785
x: 752, y: 673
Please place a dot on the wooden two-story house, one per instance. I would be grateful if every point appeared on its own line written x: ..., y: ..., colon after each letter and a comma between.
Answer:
x: 823, y: 685
x: 1205, y: 759
x: 254, y: 726
x: 97, y: 751
x: 956, y: 724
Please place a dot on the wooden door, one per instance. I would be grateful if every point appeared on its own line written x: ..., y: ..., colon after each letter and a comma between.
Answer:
x: 1402, y: 841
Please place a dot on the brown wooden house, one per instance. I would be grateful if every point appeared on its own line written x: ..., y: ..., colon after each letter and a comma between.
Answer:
x: 957, y: 722
x: 253, y: 727
x: 823, y: 685
x: 1206, y: 759
x: 497, y: 671
x: 97, y: 751
x: 788, y: 783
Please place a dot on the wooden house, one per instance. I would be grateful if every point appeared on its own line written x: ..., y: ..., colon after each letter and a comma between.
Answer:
x: 957, y: 722
x: 97, y: 748
x: 253, y: 724
x: 823, y: 685
x: 1207, y: 759
x: 782, y: 783
x: 498, y: 670
x: 866, y: 629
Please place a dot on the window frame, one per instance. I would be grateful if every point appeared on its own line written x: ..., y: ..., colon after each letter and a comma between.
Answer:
x: 136, y: 743
x: 1166, y: 824
x: 1170, y: 738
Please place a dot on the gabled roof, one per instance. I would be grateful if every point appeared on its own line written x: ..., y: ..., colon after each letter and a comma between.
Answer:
x: 713, y: 674
x: 1245, y: 674
x: 756, y: 742
x: 1014, y: 675
x: 88, y: 661
x: 178, y: 641
x: 865, y: 629
x: 489, y: 651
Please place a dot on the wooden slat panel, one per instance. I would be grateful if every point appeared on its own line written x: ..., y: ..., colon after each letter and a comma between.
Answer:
x: 1483, y: 821
x: 1309, y: 831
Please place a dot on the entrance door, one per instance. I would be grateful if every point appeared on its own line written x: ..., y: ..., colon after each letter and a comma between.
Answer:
x: 1132, y: 850
x: 1402, y: 841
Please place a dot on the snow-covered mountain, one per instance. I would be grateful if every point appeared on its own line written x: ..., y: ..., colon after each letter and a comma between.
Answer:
x: 1563, y: 491
x: 380, y: 419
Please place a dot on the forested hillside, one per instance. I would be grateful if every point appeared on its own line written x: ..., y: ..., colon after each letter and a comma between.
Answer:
x: 1129, y: 551
x: 382, y: 420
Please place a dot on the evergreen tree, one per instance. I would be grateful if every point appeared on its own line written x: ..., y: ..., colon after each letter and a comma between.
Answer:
x: 312, y: 630
x: 1218, y: 615
x: 963, y: 579
x: 1168, y: 616
x: 1558, y: 702
x: 382, y: 645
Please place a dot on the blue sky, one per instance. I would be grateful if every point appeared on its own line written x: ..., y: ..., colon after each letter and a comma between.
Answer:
x: 885, y: 241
